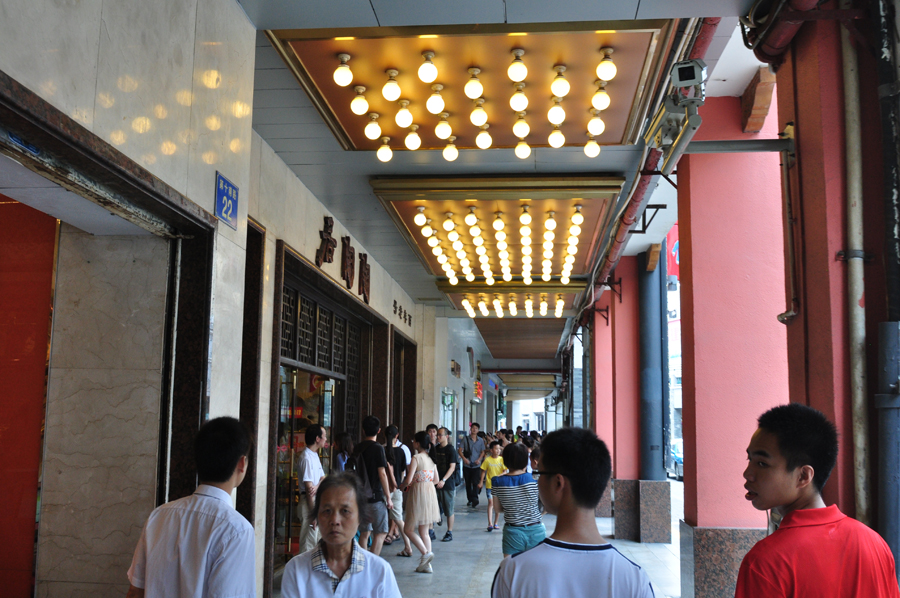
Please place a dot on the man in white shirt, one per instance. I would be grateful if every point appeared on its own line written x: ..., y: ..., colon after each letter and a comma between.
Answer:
x: 309, y: 475
x: 573, y: 470
x: 199, y: 546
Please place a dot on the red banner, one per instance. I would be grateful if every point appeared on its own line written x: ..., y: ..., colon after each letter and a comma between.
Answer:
x: 672, y: 257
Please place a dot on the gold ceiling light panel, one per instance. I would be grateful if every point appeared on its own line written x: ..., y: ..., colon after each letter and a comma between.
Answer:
x: 517, y: 70
x: 384, y: 152
x: 404, y: 117
x: 343, y: 76
x: 600, y: 100
x: 413, y: 141
x: 435, y: 103
x: 591, y: 148
x: 442, y: 130
x: 473, y: 89
x: 518, y: 101
x: 450, y: 152
x: 556, y: 115
x: 606, y: 70
x: 373, y: 129
x: 483, y: 140
x: 478, y: 117
x: 596, y: 126
x: 427, y: 71
x: 391, y: 90
x: 559, y: 87
x: 359, y: 105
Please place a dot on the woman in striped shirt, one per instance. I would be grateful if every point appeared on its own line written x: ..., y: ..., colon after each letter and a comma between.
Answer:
x: 516, y: 496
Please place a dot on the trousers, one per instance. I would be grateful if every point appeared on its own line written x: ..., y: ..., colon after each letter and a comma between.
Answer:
x: 472, y: 476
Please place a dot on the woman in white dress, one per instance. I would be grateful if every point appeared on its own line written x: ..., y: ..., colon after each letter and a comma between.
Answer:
x: 421, y: 500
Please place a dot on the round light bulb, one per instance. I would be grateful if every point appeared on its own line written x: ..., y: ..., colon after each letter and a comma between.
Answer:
x: 556, y: 138
x: 517, y: 71
x: 391, y: 89
x: 596, y: 126
x: 489, y: 281
x: 523, y: 150
x: 443, y: 130
x: 573, y: 240
x: 478, y: 242
x: 473, y: 88
x: 606, y: 70
x: 549, y: 235
x: 450, y: 153
x: 404, y: 117
x: 503, y: 255
x: 419, y: 219
x: 575, y: 230
x: 470, y: 277
x: 550, y: 222
x: 448, y: 223
x: 547, y: 263
x: 359, y: 105
x: 478, y: 116
x: 526, y: 250
x: 578, y: 217
x: 427, y: 231
x: 471, y: 218
x: 600, y: 100
x: 501, y: 245
x: 525, y: 241
x: 453, y: 236
x: 436, y: 250
x: 343, y: 76
x: 548, y: 245
x: 435, y: 103
x: 427, y: 71
x: 498, y: 222
x: 570, y: 259
x: 525, y: 217
x: 572, y: 249
x: 457, y: 246
x: 413, y: 141
x: 521, y: 128
x: 525, y: 231
x: 384, y: 152
x: 373, y: 130
x: 460, y: 254
x: 507, y: 276
x: 556, y: 115
x: 442, y: 259
x: 591, y: 149
x: 475, y: 231
x: 464, y: 262
x: 483, y: 139
x: 453, y: 280
x: 500, y: 235
x: 518, y: 101
x: 560, y: 86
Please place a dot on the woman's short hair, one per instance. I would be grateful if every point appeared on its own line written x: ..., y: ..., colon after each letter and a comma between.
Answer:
x: 515, y: 456
x: 343, y: 479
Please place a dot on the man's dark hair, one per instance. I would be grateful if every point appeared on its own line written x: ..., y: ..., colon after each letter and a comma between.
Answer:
x: 476, y: 424
x: 446, y: 431
x: 371, y: 425
x: 535, y: 454
x: 515, y: 456
x: 343, y: 479
x: 494, y: 443
x: 430, y: 427
x: 219, y: 445
x: 534, y: 435
x: 583, y: 458
x: 805, y: 437
x: 312, y: 434
x: 527, y: 441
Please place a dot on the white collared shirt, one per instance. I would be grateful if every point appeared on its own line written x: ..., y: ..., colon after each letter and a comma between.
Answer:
x: 309, y: 468
x: 369, y: 575
x: 196, y: 547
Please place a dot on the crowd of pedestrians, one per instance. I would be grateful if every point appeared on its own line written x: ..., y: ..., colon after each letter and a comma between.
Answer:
x: 200, y: 546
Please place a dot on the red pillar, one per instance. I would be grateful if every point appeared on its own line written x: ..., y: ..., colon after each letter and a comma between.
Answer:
x: 734, y: 349
x: 626, y: 372
x: 603, y: 395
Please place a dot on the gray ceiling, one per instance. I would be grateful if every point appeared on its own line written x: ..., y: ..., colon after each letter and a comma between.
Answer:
x: 285, y: 118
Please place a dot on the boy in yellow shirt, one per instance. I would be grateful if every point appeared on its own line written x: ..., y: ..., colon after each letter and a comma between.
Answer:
x: 492, y: 467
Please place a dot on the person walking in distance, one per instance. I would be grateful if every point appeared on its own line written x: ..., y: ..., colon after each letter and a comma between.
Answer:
x: 492, y: 467
x: 472, y: 451
x: 445, y: 458
x: 309, y: 474
x: 199, y: 546
x: 375, y: 468
x: 421, y: 500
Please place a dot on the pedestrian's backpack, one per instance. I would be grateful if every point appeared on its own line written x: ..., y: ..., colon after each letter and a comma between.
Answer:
x: 457, y: 473
x: 357, y: 464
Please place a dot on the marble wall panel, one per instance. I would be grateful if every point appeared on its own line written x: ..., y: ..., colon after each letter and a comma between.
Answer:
x: 144, y: 79
x: 112, y: 283
x: 51, y: 47
x: 227, y: 329
x: 656, y: 511
x: 273, y: 179
x: 253, y: 187
x: 626, y: 523
x: 711, y: 558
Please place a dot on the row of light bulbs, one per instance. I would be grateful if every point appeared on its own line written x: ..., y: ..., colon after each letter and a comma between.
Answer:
x: 474, y: 89
x: 525, y: 220
x: 512, y: 306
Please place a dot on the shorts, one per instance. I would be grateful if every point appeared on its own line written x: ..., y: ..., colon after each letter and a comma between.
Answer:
x: 396, y: 513
x: 519, y: 539
x: 488, y: 493
x: 379, y: 513
x: 446, y: 497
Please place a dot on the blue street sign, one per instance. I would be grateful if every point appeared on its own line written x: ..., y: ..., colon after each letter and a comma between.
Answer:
x: 226, y: 201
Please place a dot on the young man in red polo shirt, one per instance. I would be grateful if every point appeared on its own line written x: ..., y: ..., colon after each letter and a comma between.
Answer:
x: 817, y: 551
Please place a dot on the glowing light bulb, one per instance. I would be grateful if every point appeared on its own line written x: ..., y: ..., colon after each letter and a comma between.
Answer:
x: 501, y: 245
x: 560, y: 85
x: 450, y: 152
x: 556, y: 138
x: 600, y: 100
x: 433, y: 241
x: 475, y: 230
x: 473, y: 88
x: 413, y: 141
x: 448, y: 222
x: 483, y: 140
x: 517, y: 71
x: 478, y: 116
x: 373, y: 129
x: 480, y: 250
x: 384, y: 152
x: 453, y: 236
x: 470, y: 277
x: 419, y: 218
x: 471, y: 218
x: 498, y: 221
x: 575, y: 230
x: 482, y: 306
x: 543, y: 307
x: 427, y: 231
x: 596, y: 126
x: 556, y: 115
x: 606, y: 70
x: 519, y: 101
x: 513, y: 310
x: 550, y: 222
x: 435, y: 103
x: 442, y: 259
x: 578, y: 217
x: 500, y: 235
x: 572, y: 249
x: 359, y: 105
x: 520, y: 127
x: 437, y: 250
x: 391, y: 89
x: 526, y: 250
x: 591, y: 148
x: 526, y: 241
x: 427, y: 71
x: 443, y: 130
x: 478, y: 242
x: 404, y: 117
x: 342, y: 74
x: 525, y: 217
x: 523, y: 150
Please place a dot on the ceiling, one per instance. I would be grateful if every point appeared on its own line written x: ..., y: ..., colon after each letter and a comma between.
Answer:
x: 305, y: 118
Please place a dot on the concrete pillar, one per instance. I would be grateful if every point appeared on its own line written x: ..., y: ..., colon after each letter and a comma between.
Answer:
x: 603, y: 407
x: 734, y: 349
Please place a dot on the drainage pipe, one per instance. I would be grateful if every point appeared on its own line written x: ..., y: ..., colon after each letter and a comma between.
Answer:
x: 775, y: 39
x: 856, y: 311
x: 651, y: 364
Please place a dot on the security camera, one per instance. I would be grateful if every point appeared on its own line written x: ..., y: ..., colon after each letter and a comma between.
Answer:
x: 689, y: 73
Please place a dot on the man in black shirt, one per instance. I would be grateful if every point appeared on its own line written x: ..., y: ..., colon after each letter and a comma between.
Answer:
x: 444, y: 456
x: 376, y: 471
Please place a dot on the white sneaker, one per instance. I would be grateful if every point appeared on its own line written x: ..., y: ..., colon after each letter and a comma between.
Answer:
x: 424, y: 569
x: 425, y: 563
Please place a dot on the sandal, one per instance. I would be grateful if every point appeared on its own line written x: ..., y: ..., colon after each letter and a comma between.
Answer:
x: 404, y: 552
x: 388, y: 541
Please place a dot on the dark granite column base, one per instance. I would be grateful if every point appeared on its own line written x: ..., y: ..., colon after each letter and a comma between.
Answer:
x: 711, y: 557
x: 642, y: 511
x: 604, y: 507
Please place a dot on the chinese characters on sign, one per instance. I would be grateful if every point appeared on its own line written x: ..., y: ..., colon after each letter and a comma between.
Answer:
x: 404, y: 315
x: 364, y: 277
x: 348, y: 262
x: 325, y: 252
x: 226, y: 201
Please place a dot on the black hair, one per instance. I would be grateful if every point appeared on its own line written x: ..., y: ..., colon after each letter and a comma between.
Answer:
x: 527, y: 441
x: 515, y: 456
x: 446, y: 431
x: 534, y: 435
x: 342, y: 479
x: 371, y: 425
x: 431, y: 427
x: 423, y: 439
x: 494, y: 443
x: 481, y: 434
x: 535, y: 453
x: 390, y: 433
x: 345, y: 443
x: 313, y: 431
x: 583, y: 458
x: 805, y: 437
x: 476, y: 424
x: 219, y: 445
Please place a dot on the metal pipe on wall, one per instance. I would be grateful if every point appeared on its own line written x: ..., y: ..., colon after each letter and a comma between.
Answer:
x: 856, y: 311
x: 651, y: 398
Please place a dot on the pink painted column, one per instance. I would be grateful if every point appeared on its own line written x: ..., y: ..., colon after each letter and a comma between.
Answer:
x: 602, y: 377
x: 734, y: 349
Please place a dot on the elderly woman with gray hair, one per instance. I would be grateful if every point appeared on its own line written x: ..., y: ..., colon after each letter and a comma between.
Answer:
x: 337, y: 566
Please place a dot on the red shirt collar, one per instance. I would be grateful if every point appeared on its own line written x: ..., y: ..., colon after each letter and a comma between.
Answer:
x: 807, y: 517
